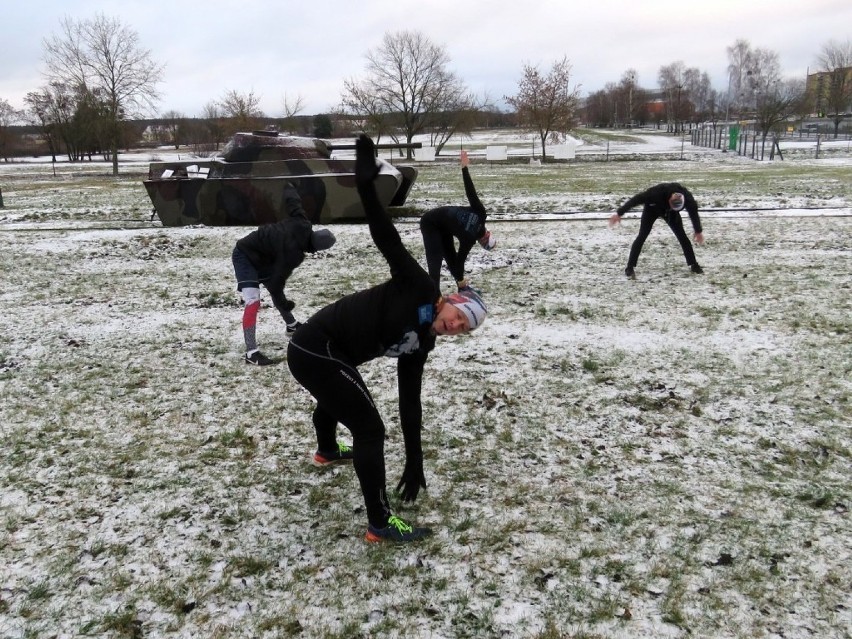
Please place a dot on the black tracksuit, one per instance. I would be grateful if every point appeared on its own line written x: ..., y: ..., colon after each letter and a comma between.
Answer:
x: 275, y: 250
x: 392, y: 319
x: 655, y: 203
x: 439, y: 226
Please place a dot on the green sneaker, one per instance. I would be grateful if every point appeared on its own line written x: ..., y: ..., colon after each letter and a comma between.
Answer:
x: 396, y: 530
x: 324, y: 458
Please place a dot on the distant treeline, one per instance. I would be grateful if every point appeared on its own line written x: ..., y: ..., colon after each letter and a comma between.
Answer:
x: 81, y: 141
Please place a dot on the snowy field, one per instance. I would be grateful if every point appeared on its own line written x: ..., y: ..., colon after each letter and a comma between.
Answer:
x: 605, y: 458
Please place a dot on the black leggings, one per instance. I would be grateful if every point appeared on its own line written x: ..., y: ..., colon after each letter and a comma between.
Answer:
x: 439, y: 246
x: 675, y: 224
x: 342, y: 397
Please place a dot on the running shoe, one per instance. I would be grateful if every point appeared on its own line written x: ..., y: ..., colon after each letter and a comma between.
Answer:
x: 258, y: 359
x: 324, y: 458
x: 396, y: 531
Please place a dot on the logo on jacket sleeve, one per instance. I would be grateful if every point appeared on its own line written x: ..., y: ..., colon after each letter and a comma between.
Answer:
x: 409, y: 343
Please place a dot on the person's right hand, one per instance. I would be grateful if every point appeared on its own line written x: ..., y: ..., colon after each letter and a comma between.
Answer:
x: 465, y: 161
x: 614, y: 220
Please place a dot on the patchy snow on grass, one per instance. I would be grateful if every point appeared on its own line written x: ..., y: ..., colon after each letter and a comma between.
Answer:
x: 664, y: 457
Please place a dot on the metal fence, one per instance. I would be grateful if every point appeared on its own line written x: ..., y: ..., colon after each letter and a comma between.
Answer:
x: 746, y: 140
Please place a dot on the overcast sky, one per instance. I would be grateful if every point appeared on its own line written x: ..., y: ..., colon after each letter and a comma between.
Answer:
x: 307, y: 48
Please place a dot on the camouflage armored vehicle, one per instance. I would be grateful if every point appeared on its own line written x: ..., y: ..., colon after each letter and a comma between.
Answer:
x: 244, y: 185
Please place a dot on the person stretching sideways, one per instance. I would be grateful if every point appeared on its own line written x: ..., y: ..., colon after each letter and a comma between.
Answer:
x: 400, y: 318
x: 440, y: 228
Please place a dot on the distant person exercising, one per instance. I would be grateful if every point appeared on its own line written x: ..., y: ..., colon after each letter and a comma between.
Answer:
x: 441, y: 226
x: 663, y: 200
x: 268, y: 256
x: 399, y: 318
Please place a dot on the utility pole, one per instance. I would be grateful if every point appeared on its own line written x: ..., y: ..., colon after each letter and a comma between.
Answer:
x: 632, y: 79
x: 727, y: 113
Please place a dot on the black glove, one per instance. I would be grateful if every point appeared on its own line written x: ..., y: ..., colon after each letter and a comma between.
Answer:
x: 366, y: 169
x: 289, y: 305
x: 412, y: 480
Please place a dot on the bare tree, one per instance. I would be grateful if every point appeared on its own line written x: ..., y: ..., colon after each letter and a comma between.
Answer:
x: 242, y: 109
x: 360, y: 101
x: 627, y: 90
x: 212, y: 115
x: 739, y: 63
x: 8, y: 117
x: 292, y: 108
x: 702, y: 97
x: 598, y: 109
x: 762, y: 79
x: 762, y: 93
x: 673, y: 80
x: 40, y: 112
x: 102, y: 57
x: 775, y: 102
x: 545, y: 103
x: 835, y: 61
x: 58, y: 109
x: 457, y: 117
x: 408, y: 87
x: 174, y: 124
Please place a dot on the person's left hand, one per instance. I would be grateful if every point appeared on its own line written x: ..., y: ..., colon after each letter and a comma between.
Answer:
x: 366, y: 168
x: 699, y: 238
x: 465, y: 161
x: 614, y: 219
x: 412, y: 480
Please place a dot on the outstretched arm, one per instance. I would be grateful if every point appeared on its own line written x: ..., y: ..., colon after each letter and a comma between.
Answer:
x: 691, y: 207
x: 639, y: 198
x: 636, y: 200
x: 409, y: 379
x: 470, y: 191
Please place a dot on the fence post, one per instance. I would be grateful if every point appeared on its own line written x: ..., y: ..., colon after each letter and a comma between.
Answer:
x: 1, y: 197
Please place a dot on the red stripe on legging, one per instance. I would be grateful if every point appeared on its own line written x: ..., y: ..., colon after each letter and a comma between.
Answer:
x: 250, y: 315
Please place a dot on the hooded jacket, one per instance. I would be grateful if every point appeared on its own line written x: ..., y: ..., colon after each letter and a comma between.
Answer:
x: 277, y: 249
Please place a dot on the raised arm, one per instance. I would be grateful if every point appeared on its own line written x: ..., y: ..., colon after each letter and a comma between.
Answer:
x: 382, y: 230
x: 469, y: 191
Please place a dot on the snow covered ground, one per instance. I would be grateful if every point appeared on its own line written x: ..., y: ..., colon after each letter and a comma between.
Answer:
x: 665, y: 457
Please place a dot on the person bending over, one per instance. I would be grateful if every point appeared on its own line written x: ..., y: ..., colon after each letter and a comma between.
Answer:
x: 440, y: 228
x: 268, y: 256
x: 663, y: 200
x: 400, y: 318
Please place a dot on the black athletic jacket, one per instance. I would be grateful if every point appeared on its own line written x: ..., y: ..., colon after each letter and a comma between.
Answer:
x: 277, y: 249
x: 467, y: 223
x: 392, y: 319
x: 656, y: 200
